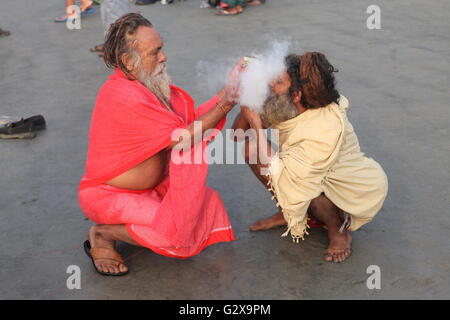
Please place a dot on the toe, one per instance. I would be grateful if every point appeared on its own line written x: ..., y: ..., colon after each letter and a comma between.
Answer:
x: 109, y: 269
x: 114, y: 269
x: 328, y: 257
x: 99, y: 266
x: 335, y: 257
x: 123, y: 268
x: 104, y: 268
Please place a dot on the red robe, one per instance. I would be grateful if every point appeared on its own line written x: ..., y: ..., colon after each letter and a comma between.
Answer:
x: 129, y: 125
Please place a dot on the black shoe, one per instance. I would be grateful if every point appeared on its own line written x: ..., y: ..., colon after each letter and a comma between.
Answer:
x: 17, y: 130
x: 145, y: 2
x: 23, y: 129
x: 37, y: 121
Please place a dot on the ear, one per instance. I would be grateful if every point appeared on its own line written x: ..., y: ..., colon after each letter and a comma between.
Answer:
x: 297, y: 97
x: 126, y: 60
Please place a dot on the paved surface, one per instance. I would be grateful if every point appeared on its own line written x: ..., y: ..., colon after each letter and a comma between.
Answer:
x: 397, y: 81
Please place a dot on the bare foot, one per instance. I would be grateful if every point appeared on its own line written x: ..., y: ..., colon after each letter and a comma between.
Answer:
x: 274, y: 221
x: 339, y: 248
x: 254, y: 3
x: 85, y: 5
x: 227, y: 12
x: 98, y: 241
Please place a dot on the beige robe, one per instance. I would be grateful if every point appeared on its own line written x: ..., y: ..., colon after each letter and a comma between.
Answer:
x: 320, y: 153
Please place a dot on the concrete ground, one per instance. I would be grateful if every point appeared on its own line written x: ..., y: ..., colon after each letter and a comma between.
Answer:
x: 397, y: 81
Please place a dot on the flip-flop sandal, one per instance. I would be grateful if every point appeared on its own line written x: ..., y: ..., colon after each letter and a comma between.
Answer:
x: 224, y: 12
x: 87, y: 11
x: 103, y: 253
x: 83, y: 13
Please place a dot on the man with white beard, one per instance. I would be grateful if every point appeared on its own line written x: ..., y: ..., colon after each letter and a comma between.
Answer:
x: 132, y: 188
x: 319, y: 171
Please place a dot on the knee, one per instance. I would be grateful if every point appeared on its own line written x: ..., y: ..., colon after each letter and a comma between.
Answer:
x: 321, y: 203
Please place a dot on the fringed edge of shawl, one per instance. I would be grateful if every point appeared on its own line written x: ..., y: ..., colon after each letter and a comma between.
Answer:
x: 298, y: 229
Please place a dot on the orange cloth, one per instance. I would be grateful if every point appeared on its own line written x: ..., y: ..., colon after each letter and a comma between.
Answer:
x: 129, y: 125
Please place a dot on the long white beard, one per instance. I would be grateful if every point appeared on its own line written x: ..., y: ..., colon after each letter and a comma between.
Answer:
x: 278, y: 109
x: 157, y: 82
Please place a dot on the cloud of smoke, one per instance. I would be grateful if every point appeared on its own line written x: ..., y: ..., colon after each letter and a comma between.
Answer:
x: 255, y: 80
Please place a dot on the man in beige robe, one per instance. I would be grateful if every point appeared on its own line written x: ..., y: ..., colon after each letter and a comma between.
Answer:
x: 319, y: 170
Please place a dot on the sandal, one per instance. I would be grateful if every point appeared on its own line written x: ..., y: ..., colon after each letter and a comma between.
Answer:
x: 103, y: 253
x: 85, y: 12
x: 223, y: 12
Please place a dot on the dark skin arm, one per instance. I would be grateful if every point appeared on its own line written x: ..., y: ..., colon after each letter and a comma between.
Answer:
x: 208, y: 120
x: 264, y: 147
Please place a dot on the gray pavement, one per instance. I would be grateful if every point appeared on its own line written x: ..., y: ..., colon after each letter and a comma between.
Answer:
x: 397, y: 81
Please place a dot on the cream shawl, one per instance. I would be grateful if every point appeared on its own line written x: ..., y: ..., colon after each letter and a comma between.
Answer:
x: 320, y: 153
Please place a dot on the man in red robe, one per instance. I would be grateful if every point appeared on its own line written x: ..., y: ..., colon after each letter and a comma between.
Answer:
x: 132, y: 188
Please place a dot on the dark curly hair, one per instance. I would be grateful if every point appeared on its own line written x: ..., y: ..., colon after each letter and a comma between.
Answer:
x: 117, y: 41
x: 312, y: 74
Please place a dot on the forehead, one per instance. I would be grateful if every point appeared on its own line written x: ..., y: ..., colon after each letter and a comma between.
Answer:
x: 282, y: 79
x: 148, y: 38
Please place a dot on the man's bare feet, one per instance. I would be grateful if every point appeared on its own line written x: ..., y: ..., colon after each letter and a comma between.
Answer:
x: 339, y: 248
x: 274, y: 221
x: 97, y: 240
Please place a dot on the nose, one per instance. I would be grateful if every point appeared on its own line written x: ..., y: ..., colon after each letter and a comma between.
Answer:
x: 163, y: 57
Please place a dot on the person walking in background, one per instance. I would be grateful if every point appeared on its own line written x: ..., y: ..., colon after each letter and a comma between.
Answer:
x: 86, y: 7
x: 111, y: 10
x: 231, y: 7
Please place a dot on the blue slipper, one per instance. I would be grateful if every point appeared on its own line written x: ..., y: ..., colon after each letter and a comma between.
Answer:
x: 83, y: 13
x: 88, y: 11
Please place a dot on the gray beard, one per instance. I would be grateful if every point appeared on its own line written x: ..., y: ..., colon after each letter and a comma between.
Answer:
x: 157, y: 82
x: 278, y: 109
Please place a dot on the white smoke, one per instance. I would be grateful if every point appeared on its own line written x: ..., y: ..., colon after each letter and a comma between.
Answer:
x: 255, y: 80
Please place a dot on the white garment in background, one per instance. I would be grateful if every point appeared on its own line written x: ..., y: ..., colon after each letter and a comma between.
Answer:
x: 111, y: 10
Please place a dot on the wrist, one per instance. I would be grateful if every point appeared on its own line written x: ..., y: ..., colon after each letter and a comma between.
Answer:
x: 226, y: 106
x: 255, y: 124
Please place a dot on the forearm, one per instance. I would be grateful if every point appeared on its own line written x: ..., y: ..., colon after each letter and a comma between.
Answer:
x: 208, y: 120
x: 241, y: 123
x: 265, y: 151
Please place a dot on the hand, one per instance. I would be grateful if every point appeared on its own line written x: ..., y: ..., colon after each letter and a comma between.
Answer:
x: 230, y: 93
x: 253, y: 118
x: 235, y: 75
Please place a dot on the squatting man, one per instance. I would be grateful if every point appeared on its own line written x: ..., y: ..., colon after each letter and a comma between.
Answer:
x: 135, y: 193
